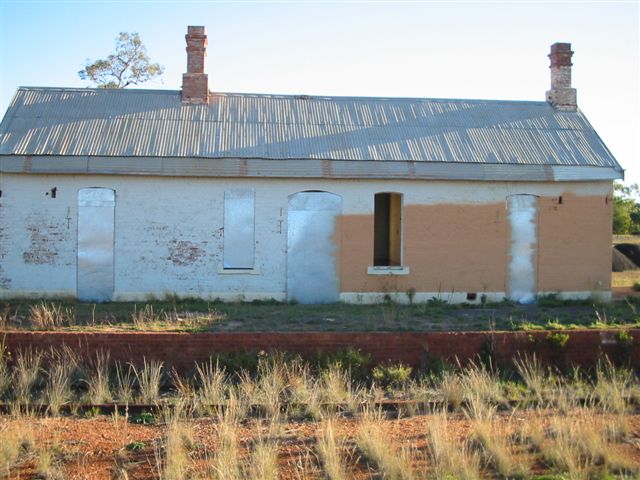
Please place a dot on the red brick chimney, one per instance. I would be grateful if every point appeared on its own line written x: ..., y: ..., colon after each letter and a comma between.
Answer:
x: 195, y: 83
x: 561, y: 95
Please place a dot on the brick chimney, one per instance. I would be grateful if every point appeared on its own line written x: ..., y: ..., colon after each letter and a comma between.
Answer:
x: 195, y: 83
x: 561, y: 95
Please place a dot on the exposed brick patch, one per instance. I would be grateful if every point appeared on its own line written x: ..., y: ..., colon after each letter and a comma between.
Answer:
x: 182, y: 252
x: 43, y: 242
x: 181, y: 350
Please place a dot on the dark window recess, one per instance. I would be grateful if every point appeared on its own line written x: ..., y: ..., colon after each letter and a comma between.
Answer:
x: 387, y: 229
x: 472, y: 296
x: 560, y: 200
x: 54, y: 190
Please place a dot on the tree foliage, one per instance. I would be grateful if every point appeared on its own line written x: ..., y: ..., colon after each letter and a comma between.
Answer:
x: 626, y: 209
x: 128, y: 65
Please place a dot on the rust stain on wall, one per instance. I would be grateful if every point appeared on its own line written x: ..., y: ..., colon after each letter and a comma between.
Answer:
x: 183, y: 253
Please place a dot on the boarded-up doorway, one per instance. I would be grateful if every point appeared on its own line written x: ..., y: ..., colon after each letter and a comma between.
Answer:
x: 523, y: 250
x: 311, y: 249
x: 96, y: 210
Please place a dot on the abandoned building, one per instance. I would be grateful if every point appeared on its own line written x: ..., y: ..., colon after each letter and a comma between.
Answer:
x: 113, y: 194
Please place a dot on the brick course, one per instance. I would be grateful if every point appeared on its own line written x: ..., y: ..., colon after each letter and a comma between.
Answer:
x: 181, y: 350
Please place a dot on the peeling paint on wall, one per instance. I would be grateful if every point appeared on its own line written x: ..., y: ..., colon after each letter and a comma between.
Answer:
x: 45, y: 237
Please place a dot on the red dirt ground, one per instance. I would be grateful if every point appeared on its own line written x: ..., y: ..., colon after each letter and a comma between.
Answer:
x: 96, y: 448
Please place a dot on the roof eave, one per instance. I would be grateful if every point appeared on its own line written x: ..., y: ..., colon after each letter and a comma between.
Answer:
x: 302, y: 168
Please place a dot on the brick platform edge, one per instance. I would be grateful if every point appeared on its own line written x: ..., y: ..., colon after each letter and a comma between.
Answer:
x: 181, y: 350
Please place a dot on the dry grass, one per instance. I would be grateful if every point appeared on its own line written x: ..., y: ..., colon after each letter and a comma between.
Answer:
x: 61, y: 366
x: 98, y: 388
x: 495, y: 446
x: 392, y: 462
x: 262, y: 464
x: 125, y: 379
x: 212, y: 380
x: 178, y: 442
x: 579, y: 425
x: 15, y: 440
x: 329, y: 448
x: 626, y: 239
x: 148, y: 379
x: 48, y: 316
x: 449, y: 458
x: 625, y: 279
x: 26, y: 373
x: 5, y: 372
x: 226, y: 463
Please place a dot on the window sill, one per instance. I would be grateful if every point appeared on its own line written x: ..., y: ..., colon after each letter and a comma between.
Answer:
x: 239, y: 271
x: 388, y: 270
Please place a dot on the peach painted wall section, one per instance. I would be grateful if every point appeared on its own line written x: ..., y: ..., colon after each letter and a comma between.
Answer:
x: 465, y: 247
x: 447, y: 248
x: 574, y: 243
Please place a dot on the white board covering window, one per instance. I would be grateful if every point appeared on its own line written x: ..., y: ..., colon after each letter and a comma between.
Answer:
x: 239, y: 228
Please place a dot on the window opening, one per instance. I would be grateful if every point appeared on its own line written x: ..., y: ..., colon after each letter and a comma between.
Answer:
x: 387, y: 229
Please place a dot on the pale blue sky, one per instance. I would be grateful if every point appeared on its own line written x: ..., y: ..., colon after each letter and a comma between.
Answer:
x: 490, y: 50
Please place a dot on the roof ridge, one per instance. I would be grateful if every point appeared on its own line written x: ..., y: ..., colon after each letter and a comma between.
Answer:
x: 283, y: 95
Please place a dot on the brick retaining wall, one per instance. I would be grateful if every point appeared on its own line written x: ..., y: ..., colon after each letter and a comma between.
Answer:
x: 181, y: 350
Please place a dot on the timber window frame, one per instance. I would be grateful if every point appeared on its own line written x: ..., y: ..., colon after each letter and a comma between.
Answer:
x: 387, y: 235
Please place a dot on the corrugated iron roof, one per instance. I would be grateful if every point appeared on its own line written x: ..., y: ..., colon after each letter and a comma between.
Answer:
x: 154, y: 123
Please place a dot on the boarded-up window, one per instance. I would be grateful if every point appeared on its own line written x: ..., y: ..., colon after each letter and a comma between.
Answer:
x: 387, y: 228
x: 239, y: 228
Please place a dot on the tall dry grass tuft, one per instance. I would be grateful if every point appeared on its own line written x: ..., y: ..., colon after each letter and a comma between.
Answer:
x: 329, y: 448
x: 226, y: 464
x: 450, y: 388
x: 612, y: 388
x: 482, y: 390
x: 337, y: 388
x: 26, y: 374
x: 494, y: 445
x: 48, y: 465
x: 142, y: 319
x: 61, y: 366
x: 271, y: 385
x: 212, y: 380
x: 98, y: 388
x: 263, y: 461
x: 304, y: 391
x: 450, y: 458
x: 47, y: 316
x: 179, y: 440
x: 375, y: 444
x: 538, y: 380
x: 16, y: 439
x: 149, y: 378
x: 563, y: 452
x: 125, y: 380
x: 5, y: 372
